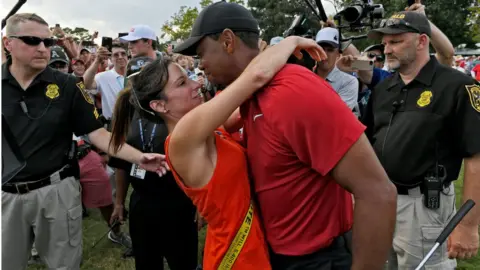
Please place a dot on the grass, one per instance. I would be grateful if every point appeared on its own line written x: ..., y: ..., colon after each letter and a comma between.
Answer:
x: 107, y: 256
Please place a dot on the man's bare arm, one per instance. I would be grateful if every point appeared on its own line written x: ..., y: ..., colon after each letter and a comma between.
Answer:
x: 471, y: 189
x: 442, y: 45
x: 89, y: 76
x: 360, y: 172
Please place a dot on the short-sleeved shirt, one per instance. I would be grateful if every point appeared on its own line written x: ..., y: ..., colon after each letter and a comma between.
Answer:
x: 346, y: 86
x: 296, y: 130
x: 55, y: 105
x: 164, y: 188
x: 434, y: 118
x: 109, y: 84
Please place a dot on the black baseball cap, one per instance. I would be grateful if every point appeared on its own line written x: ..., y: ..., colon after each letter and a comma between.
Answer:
x: 57, y: 54
x: 374, y: 47
x: 402, y: 22
x: 213, y: 20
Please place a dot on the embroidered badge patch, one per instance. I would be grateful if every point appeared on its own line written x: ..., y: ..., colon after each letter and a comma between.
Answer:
x: 425, y: 98
x: 86, y: 96
x: 474, y: 94
x: 52, y: 91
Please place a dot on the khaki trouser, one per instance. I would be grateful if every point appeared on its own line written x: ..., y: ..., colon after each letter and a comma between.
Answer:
x: 417, y: 229
x: 54, y: 214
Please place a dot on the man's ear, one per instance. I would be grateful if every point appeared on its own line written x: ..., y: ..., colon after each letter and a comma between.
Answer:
x: 7, y: 43
x: 228, y: 40
x: 424, y: 41
x: 150, y: 42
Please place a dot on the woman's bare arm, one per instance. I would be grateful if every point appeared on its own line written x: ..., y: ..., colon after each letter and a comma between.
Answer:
x: 188, y: 141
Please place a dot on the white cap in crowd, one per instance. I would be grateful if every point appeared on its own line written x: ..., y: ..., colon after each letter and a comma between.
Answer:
x: 139, y: 32
x: 330, y: 36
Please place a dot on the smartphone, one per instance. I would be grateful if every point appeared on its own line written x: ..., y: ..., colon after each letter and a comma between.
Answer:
x: 410, y: 2
x: 122, y: 34
x: 362, y: 65
x: 107, y: 43
x: 57, y: 25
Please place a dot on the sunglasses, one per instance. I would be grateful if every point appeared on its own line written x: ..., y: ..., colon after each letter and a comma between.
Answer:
x: 35, y: 41
x: 378, y: 58
x: 58, y: 65
x: 396, y: 23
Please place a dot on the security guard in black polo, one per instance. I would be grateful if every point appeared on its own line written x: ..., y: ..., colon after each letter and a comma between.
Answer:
x: 43, y: 107
x: 423, y: 121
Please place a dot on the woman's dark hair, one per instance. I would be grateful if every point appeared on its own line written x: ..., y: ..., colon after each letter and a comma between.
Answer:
x: 145, y: 86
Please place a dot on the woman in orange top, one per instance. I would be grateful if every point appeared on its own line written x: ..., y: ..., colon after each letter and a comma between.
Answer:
x: 208, y: 164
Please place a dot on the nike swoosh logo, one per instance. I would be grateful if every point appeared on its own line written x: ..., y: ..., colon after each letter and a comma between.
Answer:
x: 256, y: 116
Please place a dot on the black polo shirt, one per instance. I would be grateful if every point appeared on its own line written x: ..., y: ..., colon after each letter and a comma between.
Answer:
x: 434, y: 117
x: 163, y: 189
x: 55, y: 108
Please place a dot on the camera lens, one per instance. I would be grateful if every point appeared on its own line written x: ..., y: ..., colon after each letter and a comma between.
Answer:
x: 353, y: 13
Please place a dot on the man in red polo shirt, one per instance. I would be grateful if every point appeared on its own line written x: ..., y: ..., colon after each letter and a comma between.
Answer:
x: 305, y: 149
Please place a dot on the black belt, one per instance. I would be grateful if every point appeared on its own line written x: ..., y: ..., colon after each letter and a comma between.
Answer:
x: 22, y: 188
x: 402, y: 190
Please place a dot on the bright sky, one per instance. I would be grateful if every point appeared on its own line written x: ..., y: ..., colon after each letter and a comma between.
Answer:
x: 106, y: 16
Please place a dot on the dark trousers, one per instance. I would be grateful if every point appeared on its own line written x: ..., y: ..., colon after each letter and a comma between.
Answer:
x: 335, y: 257
x: 158, y: 231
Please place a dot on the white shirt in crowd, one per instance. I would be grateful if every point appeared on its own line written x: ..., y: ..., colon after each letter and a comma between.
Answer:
x: 109, y: 83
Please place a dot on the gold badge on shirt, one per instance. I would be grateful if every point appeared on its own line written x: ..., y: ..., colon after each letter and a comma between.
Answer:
x: 474, y: 94
x: 425, y: 98
x: 52, y: 91
x: 86, y: 96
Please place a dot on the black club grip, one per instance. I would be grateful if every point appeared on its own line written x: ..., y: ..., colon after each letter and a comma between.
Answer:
x: 466, y: 207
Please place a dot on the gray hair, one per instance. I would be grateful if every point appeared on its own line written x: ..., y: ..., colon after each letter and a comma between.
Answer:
x: 14, y: 21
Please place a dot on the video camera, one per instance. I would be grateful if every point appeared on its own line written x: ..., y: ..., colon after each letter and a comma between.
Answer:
x: 362, y: 14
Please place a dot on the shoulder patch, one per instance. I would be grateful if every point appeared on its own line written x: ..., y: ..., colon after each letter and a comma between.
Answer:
x: 474, y: 94
x: 52, y: 91
x: 85, y: 95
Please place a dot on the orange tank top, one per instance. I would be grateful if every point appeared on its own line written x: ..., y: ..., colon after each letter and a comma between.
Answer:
x: 224, y: 202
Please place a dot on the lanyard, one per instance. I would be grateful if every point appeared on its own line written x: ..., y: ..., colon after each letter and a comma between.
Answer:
x: 151, y: 136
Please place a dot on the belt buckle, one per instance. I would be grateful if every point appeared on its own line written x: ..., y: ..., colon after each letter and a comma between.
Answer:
x: 22, y: 184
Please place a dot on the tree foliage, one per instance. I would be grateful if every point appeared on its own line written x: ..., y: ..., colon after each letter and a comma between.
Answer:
x: 474, y: 23
x: 78, y: 33
x: 276, y: 16
x: 458, y: 19
x: 180, y: 24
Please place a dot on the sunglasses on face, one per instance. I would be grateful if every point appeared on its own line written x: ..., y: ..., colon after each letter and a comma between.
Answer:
x: 35, y: 41
x: 378, y: 58
x: 396, y: 23
x: 58, y: 65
